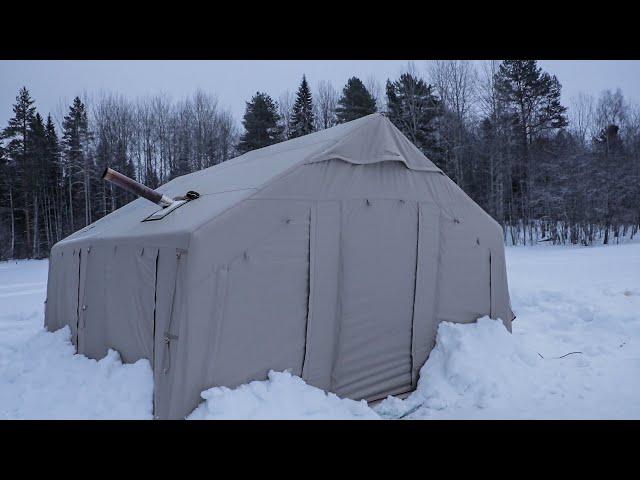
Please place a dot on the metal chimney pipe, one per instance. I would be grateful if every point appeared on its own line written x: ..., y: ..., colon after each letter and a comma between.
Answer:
x: 136, y: 188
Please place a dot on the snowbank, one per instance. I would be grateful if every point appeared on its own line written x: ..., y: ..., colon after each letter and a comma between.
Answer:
x: 473, y: 366
x: 282, y: 396
x: 42, y: 378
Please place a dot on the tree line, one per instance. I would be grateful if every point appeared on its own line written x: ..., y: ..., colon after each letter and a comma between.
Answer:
x: 50, y: 182
x: 499, y: 130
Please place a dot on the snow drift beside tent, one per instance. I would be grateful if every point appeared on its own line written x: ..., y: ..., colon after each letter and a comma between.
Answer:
x: 334, y: 255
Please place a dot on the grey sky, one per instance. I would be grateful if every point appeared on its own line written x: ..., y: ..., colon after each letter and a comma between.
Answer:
x: 54, y: 83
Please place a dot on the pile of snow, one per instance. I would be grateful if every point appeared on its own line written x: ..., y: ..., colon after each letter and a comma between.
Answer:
x: 473, y: 366
x: 282, y: 396
x: 42, y: 378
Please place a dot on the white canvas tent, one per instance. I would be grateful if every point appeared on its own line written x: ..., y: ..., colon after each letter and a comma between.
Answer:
x: 334, y: 255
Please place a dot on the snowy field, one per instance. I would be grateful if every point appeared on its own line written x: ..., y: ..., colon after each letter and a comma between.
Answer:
x: 574, y: 354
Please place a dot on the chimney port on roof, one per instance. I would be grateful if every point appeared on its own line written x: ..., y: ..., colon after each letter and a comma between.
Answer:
x: 130, y: 185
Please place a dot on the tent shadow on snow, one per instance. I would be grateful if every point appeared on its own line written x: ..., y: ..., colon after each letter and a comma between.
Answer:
x: 334, y: 255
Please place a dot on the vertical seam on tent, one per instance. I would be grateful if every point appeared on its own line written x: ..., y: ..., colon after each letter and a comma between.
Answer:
x: 313, y: 218
x: 490, y: 288
x: 138, y: 323
x: 78, y: 301
x: 167, y: 357
x: 222, y: 287
x: 153, y: 338
x: 415, y: 291
x: 338, y: 328
x: 436, y: 296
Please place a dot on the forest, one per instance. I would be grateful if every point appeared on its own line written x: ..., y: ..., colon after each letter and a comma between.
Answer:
x: 547, y: 172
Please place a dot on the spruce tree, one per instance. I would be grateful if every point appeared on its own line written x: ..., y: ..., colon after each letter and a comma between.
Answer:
x: 52, y: 148
x: 414, y: 108
x: 18, y: 168
x: 17, y: 130
x: 356, y: 101
x: 36, y: 178
x: 78, y: 163
x: 302, y: 117
x: 37, y: 150
x: 260, y: 122
x: 53, y: 184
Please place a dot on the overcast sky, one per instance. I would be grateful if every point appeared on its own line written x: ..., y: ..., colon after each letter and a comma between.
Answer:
x: 55, y: 83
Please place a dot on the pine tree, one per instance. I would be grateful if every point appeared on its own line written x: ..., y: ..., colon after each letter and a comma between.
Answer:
x: 37, y: 171
x: 302, y: 117
x: 261, y: 124
x: 17, y: 130
x: 54, y: 185
x: 356, y: 101
x: 53, y: 148
x: 79, y: 167
x: 18, y: 169
x: 533, y: 99
x: 533, y: 94
x: 414, y: 108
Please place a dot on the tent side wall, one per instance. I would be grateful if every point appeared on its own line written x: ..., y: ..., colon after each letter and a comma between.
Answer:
x: 286, y: 279
x: 119, y: 296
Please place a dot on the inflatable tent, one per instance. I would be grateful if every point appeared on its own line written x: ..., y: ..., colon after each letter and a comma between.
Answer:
x: 334, y: 255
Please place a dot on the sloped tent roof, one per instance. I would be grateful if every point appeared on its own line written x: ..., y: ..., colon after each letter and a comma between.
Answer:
x: 370, y: 139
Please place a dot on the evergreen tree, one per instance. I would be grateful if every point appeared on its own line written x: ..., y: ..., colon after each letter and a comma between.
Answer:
x: 302, y: 118
x: 78, y: 163
x: 532, y: 98
x: 260, y: 122
x: 37, y: 157
x: 18, y: 169
x: 533, y: 94
x: 356, y: 101
x: 52, y: 149
x: 413, y: 107
x: 608, y: 141
x: 17, y: 130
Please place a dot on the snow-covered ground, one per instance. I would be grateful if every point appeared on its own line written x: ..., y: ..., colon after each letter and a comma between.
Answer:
x: 574, y: 353
x: 40, y: 377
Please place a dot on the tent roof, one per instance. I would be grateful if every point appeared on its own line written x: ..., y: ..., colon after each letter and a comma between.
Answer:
x: 370, y: 139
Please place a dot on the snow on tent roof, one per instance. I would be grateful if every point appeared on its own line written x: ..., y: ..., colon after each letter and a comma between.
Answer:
x: 370, y: 139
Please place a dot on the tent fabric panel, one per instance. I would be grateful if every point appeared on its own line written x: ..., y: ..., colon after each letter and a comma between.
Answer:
x: 425, y: 322
x: 62, y: 290
x: 264, y: 322
x: 93, y: 323
x: 464, y: 274
x: 117, y: 290
x: 83, y: 259
x: 323, y: 299
x: 500, y: 302
x: 164, y: 327
x: 379, y: 240
x: 130, y: 301
x: 178, y: 374
x: 201, y: 278
x: 177, y: 396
